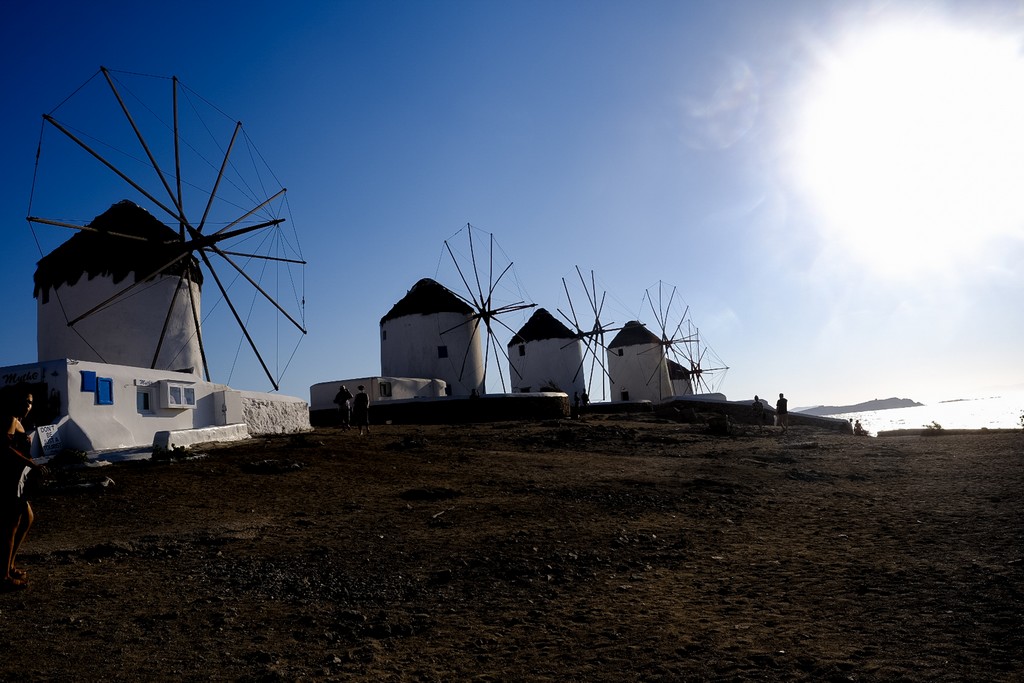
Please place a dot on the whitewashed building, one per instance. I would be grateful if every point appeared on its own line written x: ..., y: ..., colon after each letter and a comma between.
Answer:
x: 637, y: 365
x: 545, y: 355
x: 433, y: 333
x: 96, y: 407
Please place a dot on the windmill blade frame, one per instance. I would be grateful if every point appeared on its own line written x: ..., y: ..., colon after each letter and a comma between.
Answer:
x: 592, y: 337
x: 236, y: 204
x: 489, y: 305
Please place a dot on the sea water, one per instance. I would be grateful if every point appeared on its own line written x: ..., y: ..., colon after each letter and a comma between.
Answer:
x: 996, y: 411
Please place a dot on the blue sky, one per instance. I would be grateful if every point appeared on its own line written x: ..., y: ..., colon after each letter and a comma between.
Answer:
x: 832, y: 199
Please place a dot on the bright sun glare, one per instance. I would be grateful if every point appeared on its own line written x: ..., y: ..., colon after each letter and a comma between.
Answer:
x: 911, y: 144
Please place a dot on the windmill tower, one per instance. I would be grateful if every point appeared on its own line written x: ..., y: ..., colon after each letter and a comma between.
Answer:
x: 636, y: 363
x: 545, y: 355
x: 158, y: 327
x: 412, y: 344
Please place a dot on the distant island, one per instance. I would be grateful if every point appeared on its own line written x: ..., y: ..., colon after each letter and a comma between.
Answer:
x: 877, y: 404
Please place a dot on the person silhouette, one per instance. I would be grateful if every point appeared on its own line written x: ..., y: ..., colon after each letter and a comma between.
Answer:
x: 782, y: 412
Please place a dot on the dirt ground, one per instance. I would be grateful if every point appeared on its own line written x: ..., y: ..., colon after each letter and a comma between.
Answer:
x: 607, y: 549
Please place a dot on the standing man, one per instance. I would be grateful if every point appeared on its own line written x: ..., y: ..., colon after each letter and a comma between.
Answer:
x: 782, y: 412
x: 757, y: 409
x: 361, y: 410
x: 344, y: 400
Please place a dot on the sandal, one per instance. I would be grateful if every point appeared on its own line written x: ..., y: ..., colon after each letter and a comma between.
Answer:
x: 12, y: 584
x: 19, y: 574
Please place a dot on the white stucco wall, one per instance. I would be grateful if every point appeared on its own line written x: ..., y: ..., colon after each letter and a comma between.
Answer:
x: 127, y: 332
x: 409, y: 348
x: 641, y: 370
x: 548, y: 362
x: 321, y: 394
x: 681, y: 387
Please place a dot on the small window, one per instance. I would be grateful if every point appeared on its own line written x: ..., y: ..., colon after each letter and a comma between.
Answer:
x: 384, y: 388
x: 522, y: 349
x: 143, y: 401
x: 177, y: 395
x: 105, y: 391
x: 524, y: 390
x: 383, y: 335
x: 625, y: 395
x: 620, y: 351
x: 442, y: 351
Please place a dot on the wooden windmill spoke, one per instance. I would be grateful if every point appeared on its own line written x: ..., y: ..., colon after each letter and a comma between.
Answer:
x: 259, y: 289
x: 238, y: 318
x: 220, y: 176
x: 89, y: 228
x: 176, y: 215
x: 469, y: 348
x: 249, y: 213
x: 502, y: 322
x: 177, y: 170
x: 197, y: 326
x: 279, y: 259
x: 490, y: 294
x: 465, y: 322
x: 592, y: 298
x: 168, y: 317
x: 498, y: 351
x: 200, y: 240
x: 572, y: 321
x: 472, y: 302
x: 142, y: 141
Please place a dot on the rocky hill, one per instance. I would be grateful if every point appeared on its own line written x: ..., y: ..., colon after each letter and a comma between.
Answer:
x: 876, y: 404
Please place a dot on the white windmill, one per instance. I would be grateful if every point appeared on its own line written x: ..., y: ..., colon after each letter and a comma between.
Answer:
x: 584, y: 316
x: 694, y: 368
x: 411, y: 344
x: 483, y: 277
x: 125, y: 289
x: 545, y: 355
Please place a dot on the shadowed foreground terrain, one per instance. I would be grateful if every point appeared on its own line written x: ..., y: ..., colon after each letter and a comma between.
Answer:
x: 603, y: 550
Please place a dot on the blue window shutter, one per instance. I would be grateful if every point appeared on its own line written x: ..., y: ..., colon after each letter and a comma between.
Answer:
x: 104, y: 391
x: 88, y: 380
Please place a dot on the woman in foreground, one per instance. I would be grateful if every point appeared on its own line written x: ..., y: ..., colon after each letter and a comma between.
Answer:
x: 15, y: 464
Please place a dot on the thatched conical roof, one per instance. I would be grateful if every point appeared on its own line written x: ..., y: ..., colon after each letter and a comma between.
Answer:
x: 633, y: 333
x: 541, y: 325
x: 426, y: 297
x: 98, y: 252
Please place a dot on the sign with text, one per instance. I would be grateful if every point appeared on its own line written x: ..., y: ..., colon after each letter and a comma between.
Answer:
x: 25, y: 375
x: 49, y: 439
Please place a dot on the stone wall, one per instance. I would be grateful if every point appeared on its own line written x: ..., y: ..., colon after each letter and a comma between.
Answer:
x: 274, y: 414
